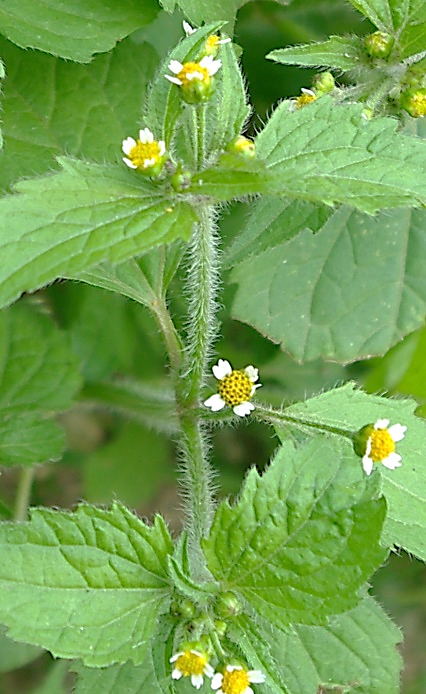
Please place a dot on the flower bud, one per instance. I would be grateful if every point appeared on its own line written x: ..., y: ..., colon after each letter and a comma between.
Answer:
x: 323, y: 83
x: 414, y: 102
x: 379, y: 44
x: 228, y: 605
x: 242, y: 145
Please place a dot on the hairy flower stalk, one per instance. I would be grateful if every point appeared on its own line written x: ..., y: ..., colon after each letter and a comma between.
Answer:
x: 201, y: 328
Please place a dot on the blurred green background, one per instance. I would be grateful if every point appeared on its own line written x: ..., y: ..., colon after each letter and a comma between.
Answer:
x: 115, y: 456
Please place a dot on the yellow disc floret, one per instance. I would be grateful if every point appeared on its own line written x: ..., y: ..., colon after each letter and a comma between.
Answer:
x: 235, y: 681
x: 307, y: 97
x: 193, y: 71
x: 382, y: 445
x: 190, y: 663
x: 235, y: 388
x: 145, y: 154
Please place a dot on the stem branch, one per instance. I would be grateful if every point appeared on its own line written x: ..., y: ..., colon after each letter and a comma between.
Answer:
x: 23, y: 493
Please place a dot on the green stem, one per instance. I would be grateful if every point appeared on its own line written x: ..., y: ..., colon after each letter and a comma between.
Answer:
x: 200, y: 134
x: 170, y: 335
x: 23, y: 494
x: 272, y: 416
x: 201, y: 287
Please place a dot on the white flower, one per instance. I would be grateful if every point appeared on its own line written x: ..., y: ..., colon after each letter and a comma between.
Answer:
x: 236, y: 680
x: 193, y: 664
x: 202, y: 71
x: 380, y: 446
x: 144, y: 153
x: 235, y: 388
x: 188, y: 29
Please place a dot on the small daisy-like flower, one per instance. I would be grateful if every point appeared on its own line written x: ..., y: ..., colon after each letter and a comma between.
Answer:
x: 235, y: 388
x: 242, y: 145
x: 145, y: 154
x: 376, y: 443
x: 195, y: 79
x: 414, y: 102
x: 193, y: 664
x: 236, y: 680
x: 307, y: 97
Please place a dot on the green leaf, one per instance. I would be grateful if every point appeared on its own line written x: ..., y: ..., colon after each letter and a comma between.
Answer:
x: 302, y: 538
x: 15, y: 655
x: 88, y: 584
x: 340, y: 52
x: 38, y: 372
x: 354, y: 650
x: 77, y: 32
x: 38, y: 376
x: 55, y: 680
x: 271, y: 222
x: 81, y: 110
x: 80, y: 217
x: 26, y: 439
x: 153, y: 675
x: 330, y: 153
x: 197, y: 12
x: 405, y: 487
x: 372, y: 268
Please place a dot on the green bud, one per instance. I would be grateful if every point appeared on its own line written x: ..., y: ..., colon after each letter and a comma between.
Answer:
x: 228, y: 605
x: 220, y: 627
x: 379, y: 44
x: 183, y: 608
x: 323, y: 83
x: 242, y: 145
x: 360, y: 439
x: 414, y: 102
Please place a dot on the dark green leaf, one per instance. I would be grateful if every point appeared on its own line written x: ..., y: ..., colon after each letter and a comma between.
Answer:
x: 370, y: 266
x: 75, y: 32
x: 27, y: 439
x: 80, y: 110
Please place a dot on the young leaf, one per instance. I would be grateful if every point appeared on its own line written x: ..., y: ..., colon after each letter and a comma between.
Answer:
x: 81, y: 110
x: 88, y: 584
x: 405, y: 487
x: 330, y: 153
x: 356, y: 258
x: 340, y: 52
x: 77, y: 33
x: 312, y: 497
x: 356, y: 649
x: 80, y: 217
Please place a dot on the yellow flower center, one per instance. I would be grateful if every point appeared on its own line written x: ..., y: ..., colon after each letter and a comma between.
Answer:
x: 212, y: 41
x: 145, y: 154
x: 304, y: 100
x: 418, y: 105
x: 193, y: 71
x: 235, y: 682
x: 235, y: 388
x: 382, y: 444
x: 191, y: 664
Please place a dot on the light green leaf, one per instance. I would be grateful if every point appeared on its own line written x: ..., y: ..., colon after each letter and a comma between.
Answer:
x: 27, y: 439
x: 356, y: 649
x: 330, y: 153
x: 15, y: 655
x: 371, y: 266
x: 80, y: 217
x: 152, y: 403
x: 81, y: 110
x: 271, y: 222
x: 75, y: 32
x: 88, y: 584
x: 340, y: 52
x: 405, y: 487
x: 153, y: 675
x: 302, y: 538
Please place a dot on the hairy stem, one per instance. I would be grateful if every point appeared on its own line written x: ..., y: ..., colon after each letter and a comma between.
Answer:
x: 201, y: 288
x: 268, y: 414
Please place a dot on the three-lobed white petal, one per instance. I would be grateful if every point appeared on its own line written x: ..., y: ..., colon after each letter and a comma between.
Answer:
x: 221, y: 369
x: 215, y: 402
x: 243, y: 409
